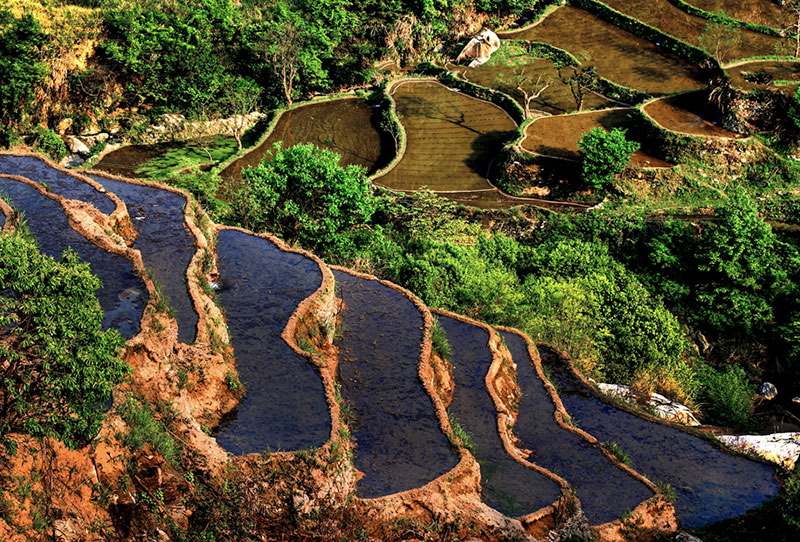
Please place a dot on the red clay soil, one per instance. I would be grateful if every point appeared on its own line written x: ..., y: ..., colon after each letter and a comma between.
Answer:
x: 655, y: 513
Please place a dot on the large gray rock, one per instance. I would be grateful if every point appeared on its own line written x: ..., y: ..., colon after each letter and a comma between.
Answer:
x: 480, y: 48
x: 76, y: 146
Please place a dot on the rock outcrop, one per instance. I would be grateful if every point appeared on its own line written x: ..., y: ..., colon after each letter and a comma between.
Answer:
x: 780, y: 448
x: 480, y: 48
x: 662, y: 407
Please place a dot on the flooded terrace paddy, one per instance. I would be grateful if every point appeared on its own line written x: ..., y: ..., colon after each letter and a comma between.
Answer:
x: 672, y: 20
x: 260, y: 287
x: 452, y: 139
x: 559, y: 135
x: 122, y: 296
x: 685, y: 113
x: 617, y: 54
x: 399, y: 442
x: 764, y: 12
x: 57, y: 181
x: 166, y: 245
x: 347, y: 126
x: 605, y: 491
x: 710, y: 485
x: 506, y: 485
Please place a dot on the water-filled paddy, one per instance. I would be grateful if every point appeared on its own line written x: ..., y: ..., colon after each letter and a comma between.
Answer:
x: 506, y: 485
x: 399, y: 442
x: 604, y: 490
x: 58, y: 182
x: 348, y: 127
x: 766, y: 12
x: 686, y: 113
x: 166, y: 244
x: 710, y: 485
x: 763, y: 74
x: 452, y: 139
x: 556, y: 99
x: 559, y: 135
x: 123, y: 296
x: 672, y: 20
x: 285, y: 406
x: 617, y: 54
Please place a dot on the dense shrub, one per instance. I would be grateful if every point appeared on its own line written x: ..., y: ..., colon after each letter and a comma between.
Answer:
x: 49, y: 142
x: 726, y: 396
x: 605, y: 154
x: 22, y: 67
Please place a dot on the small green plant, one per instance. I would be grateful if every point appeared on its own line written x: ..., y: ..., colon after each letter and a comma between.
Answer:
x: 439, y: 339
x: 460, y: 434
x: 144, y: 428
x: 618, y: 452
x: 48, y: 142
x: 666, y: 490
x: 232, y: 382
x: 605, y: 154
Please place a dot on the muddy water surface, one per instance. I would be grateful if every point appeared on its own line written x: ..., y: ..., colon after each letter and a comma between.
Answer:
x: 617, y: 54
x: 348, y: 127
x: 604, y: 490
x: 285, y: 406
x: 710, y: 485
x: 506, y: 485
x: 686, y: 113
x: 766, y: 12
x: 399, y: 442
x: 559, y: 135
x: 672, y: 20
x: 60, y: 183
x: 166, y: 244
x: 123, y: 296
x: 452, y: 139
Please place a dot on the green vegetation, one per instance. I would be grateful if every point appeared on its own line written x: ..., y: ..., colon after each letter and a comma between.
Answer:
x: 726, y: 396
x: 59, y: 365
x: 144, y: 428
x: 48, y: 142
x: 440, y: 343
x: 605, y: 154
x: 618, y: 452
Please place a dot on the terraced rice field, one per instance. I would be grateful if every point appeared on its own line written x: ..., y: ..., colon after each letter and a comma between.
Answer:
x: 766, y: 12
x: 260, y: 287
x: 605, y: 490
x: 685, y: 113
x: 348, y: 127
x: 399, y: 442
x: 507, y: 486
x: 617, y: 54
x: 556, y: 99
x: 674, y: 21
x: 166, y: 244
x: 452, y: 139
x: 559, y: 135
x: 767, y: 72
x: 710, y: 485
x: 123, y: 296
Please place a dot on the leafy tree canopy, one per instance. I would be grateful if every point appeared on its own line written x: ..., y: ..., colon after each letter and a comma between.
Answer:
x: 605, y: 154
x: 21, y: 65
x: 57, y: 365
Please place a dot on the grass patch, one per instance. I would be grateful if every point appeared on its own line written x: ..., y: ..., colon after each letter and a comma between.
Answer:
x: 190, y: 153
x: 440, y: 343
x: 460, y: 434
x: 618, y: 452
x: 144, y: 428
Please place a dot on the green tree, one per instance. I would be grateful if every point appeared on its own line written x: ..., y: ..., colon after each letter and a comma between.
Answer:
x: 719, y: 39
x: 605, y: 154
x: 303, y: 194
x: 21, y: 65
x: 57, y: 365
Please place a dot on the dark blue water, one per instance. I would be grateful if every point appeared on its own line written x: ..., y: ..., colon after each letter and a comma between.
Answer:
x: 166, y: 244
x: 399, y: 442
x: 285, y: 406
x: 123, y: 296
x: 710, y: 485
x: 60, y: 183
x: 605, y: 491
x: 506, y: 485
x: 2, y: 219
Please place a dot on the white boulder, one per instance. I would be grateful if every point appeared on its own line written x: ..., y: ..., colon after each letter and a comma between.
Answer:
x: 780, y: 448
x: 662, y: 407
x: 480, y: 48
